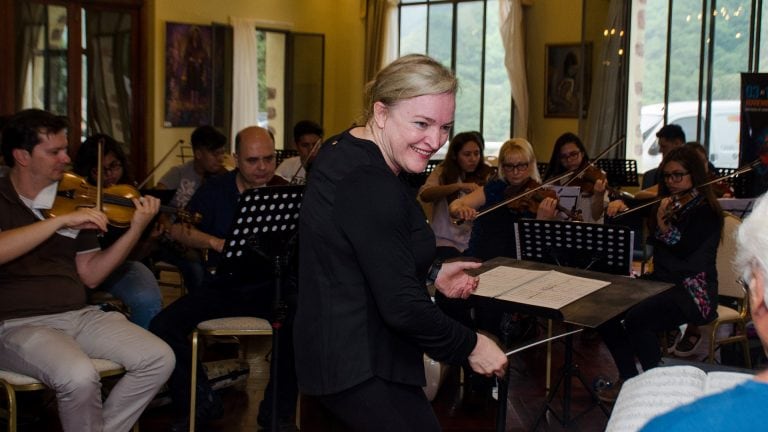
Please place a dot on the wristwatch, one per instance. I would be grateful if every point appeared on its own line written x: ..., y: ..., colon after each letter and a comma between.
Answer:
x: 434, y: 269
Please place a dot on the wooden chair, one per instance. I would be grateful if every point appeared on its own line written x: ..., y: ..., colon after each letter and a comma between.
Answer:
x: 13, y: 382
x: 727, y: 286
x: 234, y: 326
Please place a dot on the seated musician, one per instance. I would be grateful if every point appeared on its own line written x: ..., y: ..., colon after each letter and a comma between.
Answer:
x: 305, y: 134
x: 493, y: 235
x: 47, y: 330
x: 570, y: 155
x: 669, y: 137
x: 463, y: 170
x: 131, y: 282
x: 216, y: 201
x: 209, y: 147
x: 686, y: 232
x: 735, y: 409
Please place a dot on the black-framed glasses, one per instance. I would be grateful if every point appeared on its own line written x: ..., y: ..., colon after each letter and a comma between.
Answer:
x: 675, y: 176
x: 508, y: 167
x: 572, y: 155
x: 114, y: 166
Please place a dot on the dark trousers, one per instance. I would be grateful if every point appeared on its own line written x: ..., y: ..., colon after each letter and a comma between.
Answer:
x: 379, y: 405
x: 638, y: 335
x: 220, y: 300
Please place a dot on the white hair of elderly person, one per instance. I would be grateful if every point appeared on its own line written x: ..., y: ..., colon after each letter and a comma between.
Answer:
x: 734, y: 409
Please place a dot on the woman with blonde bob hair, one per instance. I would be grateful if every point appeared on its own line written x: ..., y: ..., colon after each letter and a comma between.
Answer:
x: 493, y: 233
x: 365, y: 317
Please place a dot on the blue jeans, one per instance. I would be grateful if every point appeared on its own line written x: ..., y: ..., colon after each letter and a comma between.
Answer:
x: 136, y: 286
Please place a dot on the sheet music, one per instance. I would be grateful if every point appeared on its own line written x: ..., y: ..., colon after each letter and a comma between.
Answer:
x: 567, y: 196
x: 549, y: 289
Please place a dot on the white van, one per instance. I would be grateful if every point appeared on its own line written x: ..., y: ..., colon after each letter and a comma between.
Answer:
x: 723, y: 140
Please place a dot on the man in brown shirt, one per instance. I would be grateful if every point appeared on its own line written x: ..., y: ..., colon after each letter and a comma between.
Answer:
x: 47, y: 330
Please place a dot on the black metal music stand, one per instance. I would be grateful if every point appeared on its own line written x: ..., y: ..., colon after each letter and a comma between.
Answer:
x: 265, y: 227
x: 620, y: 172
x: 589, y: 246
x: 597, y: 247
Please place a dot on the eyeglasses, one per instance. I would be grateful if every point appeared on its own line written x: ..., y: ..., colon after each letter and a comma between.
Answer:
x: 675, y: 176
x: 572, y: 155
x: 508, y: 167
x: 114, y: 166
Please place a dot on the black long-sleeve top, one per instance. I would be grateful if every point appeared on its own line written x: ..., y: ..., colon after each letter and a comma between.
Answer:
x: 365, y: 250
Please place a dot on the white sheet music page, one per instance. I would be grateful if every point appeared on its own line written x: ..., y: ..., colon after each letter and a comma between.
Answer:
x: 663, y: 389
x: 549, y: 289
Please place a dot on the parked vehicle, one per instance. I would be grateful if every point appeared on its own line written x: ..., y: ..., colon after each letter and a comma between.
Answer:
x: 723, y: 140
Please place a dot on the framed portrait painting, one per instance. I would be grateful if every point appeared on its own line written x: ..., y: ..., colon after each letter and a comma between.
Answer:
x: 569, y: 78
x: 188, y: 74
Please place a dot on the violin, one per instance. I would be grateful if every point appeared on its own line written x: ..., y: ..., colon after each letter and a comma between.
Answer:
x: 530, y: 201
x: 677, y: 203
x: 586, y: 181
x: 75, y: 192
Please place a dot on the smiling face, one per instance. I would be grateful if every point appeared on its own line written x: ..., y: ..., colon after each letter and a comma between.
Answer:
x: 412, y: 130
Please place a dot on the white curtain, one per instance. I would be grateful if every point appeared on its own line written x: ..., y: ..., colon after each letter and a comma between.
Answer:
x: 245, y: 85
x: 512, y: 35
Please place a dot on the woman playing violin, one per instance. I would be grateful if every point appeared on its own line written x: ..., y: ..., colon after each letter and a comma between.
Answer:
x: 493, y: 233
x: 686, y: 232
x: 570, y: 155
x: 463, y: 170
x: 132, y: 282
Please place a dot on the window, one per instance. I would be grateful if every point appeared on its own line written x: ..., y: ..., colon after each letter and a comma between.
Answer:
x: 80, y: 60
x: 290, y: 81
x: 692, y: 51
x: 464, y: 35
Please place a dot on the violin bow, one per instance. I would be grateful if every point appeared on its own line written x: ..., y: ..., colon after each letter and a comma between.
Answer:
x: 315, y: 148
x: 595, y: 159
x: 99, y: 173
x: 516, y: 197
x: 157, y: 165
x: 742, y: 170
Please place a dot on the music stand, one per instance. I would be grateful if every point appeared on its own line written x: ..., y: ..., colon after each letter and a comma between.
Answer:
x: 620, y: 172
x: 265, y: 226
x: 739, y: 207
x: 597, y: 247
x: 589, y: 246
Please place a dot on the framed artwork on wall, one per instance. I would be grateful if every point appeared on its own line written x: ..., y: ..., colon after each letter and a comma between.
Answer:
x: 569, y: 78
x: 188, y: 75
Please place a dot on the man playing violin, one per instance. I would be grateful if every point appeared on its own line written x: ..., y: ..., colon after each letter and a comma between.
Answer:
x: 216, y: 201
x: 47, y: 330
